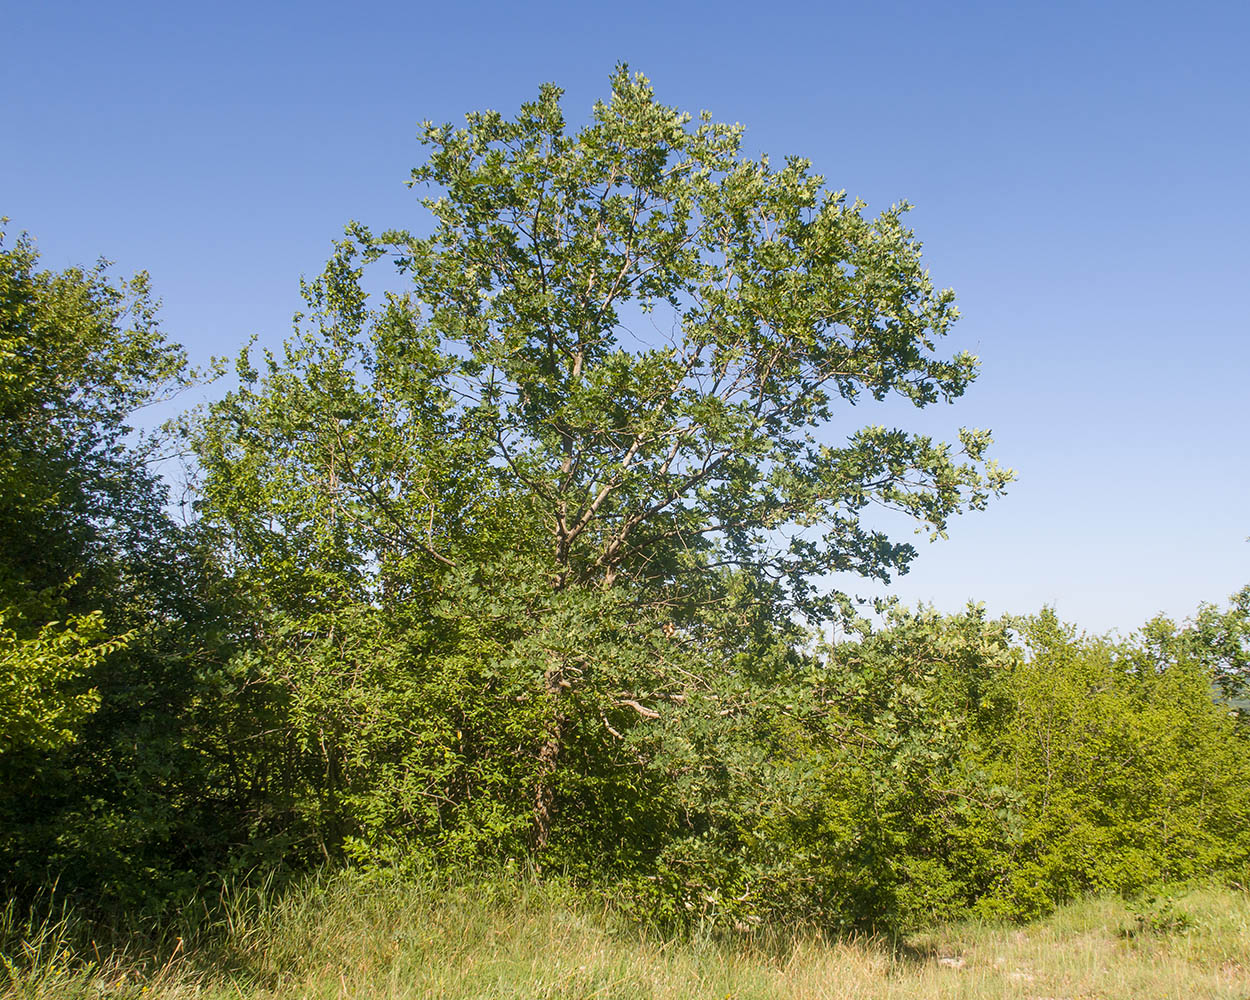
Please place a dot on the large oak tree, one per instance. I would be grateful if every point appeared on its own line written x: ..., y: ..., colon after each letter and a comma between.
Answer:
x: 627, y: 352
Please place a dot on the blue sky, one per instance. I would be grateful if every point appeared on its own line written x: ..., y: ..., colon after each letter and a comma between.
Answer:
x: 1079, y: 174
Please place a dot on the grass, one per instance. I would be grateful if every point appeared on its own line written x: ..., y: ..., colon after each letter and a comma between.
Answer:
x: 347, y: 937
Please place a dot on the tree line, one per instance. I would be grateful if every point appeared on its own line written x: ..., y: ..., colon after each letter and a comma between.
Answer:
x: 528, y: 564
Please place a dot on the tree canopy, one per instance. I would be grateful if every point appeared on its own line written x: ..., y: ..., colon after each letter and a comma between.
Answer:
x: 647, y: 339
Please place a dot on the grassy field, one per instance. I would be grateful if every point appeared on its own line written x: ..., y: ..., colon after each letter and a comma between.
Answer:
x: 342, y: 938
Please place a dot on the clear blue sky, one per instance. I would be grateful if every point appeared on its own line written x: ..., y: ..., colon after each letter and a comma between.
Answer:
x: 1079, y: 172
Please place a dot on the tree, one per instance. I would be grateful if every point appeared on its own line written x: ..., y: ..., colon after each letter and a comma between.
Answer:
x: 77, y: 506
x: 81, y: 354
x: 111, y: 729
x: 695, y: 450
x: 688, y: 469
x: 1219, y: 640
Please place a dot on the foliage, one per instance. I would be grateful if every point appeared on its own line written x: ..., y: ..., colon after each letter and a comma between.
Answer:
x: 1155, y: 914
x: 80, y: 354
x: 1129, y: 775
x: 39, y: 704
x: 706, y: 445
x: 487, y: 579
x: 937, y: 765
x: 1217, y: 639
x: 108, y: 615
x: 522, y: 509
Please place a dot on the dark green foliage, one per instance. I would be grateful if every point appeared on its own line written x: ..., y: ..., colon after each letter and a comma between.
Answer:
x: 110, y: 623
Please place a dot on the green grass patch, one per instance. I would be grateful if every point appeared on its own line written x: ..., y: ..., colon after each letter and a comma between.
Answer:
x: 349, y: 936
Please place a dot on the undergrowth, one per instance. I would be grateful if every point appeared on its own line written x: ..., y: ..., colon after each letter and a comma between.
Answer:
x: 348, y: 935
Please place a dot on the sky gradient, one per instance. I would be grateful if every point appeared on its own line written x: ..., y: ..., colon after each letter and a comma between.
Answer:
x: 1078, y: 172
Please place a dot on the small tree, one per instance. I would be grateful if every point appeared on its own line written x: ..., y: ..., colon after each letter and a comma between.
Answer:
x: 79, y: 354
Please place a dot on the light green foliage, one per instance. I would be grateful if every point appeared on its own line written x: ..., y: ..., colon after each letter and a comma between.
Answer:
x: 940, y: 764
x: 1127, y: 773
x: 1217, y: 639
x: 42, y: 704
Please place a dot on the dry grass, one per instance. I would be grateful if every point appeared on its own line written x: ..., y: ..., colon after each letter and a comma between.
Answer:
x: 343, y: 939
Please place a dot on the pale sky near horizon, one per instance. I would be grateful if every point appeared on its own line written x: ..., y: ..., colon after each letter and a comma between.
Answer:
x: 1078, y: 172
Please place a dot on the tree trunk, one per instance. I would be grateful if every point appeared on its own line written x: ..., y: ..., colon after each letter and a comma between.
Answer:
x: 548, y: 757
